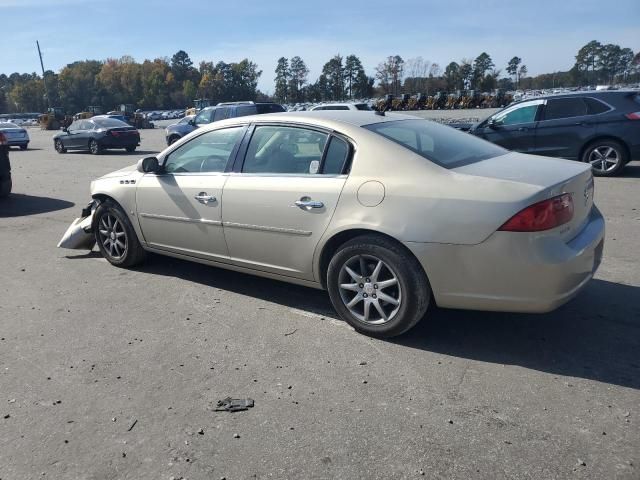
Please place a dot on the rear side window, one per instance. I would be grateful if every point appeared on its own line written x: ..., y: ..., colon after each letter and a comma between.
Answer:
x: 336, y: 156
x: 596, y: 106
x: 336, y: 107
x: 269, y: 108
x: 443, y: 145
x: 557, y: 108
x: 244, y: 110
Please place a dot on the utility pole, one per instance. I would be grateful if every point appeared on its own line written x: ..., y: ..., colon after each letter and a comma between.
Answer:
x: 44, y: 78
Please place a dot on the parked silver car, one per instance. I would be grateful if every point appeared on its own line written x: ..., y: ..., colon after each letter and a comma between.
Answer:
x: 389, y: 213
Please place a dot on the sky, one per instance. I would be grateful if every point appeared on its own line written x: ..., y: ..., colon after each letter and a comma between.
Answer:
x: 545, y: 34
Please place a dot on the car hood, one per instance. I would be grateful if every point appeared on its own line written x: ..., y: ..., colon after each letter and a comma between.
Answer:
x: 123, y: 172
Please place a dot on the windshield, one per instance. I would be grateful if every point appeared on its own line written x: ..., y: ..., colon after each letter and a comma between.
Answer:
x: 363, y: 106
x: 444, y: 146
x: 109, y: 122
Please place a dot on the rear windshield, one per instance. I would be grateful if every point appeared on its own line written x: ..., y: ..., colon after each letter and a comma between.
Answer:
x: 109, y: 122
x: 443, y: 145
x: 269, y: 108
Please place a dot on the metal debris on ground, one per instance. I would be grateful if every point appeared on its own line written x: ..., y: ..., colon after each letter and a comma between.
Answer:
x: 291, y: 333
x: 132, y: 425
x: 234, y: 404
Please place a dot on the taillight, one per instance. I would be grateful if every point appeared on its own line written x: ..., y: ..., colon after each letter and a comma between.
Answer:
x: 3, y: 139
x: 541, y: 216
x: 633, y: 116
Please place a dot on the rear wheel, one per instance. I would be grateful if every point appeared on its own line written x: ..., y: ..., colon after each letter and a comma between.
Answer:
x: 59, y: 146
x: 607, y: 157
x: 116, y: 237
x: 94, y: 148
x: 23, y: 147
x: 377, y: 287
x: 130, y: 148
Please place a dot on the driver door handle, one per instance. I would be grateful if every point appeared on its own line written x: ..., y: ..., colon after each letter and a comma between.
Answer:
x: 306, y: 203
x: 523, y: 129
x: 203, y: 197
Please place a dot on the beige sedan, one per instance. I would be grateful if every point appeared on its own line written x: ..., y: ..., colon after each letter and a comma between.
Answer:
x: 388, y: 213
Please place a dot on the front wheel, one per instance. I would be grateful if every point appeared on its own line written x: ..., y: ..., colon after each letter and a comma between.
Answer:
x: 59, y: 146
x: 94, y: 148
x: 23, y: 147
x: 607, y: 157
x: 377, y: 287
x: 116, y: 237
x: 130, y: 148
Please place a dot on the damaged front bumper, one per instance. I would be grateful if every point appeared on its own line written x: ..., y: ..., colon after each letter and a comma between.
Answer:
x: 79, y: 235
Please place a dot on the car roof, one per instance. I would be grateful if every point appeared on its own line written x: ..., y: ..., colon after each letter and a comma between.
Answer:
x: 582, y: 93
x: 326, y: 118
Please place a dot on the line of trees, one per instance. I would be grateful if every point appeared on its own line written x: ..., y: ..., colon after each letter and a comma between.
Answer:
x: 175, y: 82
x: 152, y: 84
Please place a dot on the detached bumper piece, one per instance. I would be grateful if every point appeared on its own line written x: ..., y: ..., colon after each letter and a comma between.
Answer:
x: 234, y: 404
x: 79, y: 235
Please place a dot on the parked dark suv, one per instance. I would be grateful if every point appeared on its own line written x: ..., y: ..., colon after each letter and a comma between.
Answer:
x: 598, y: 127
x: 175, y: 132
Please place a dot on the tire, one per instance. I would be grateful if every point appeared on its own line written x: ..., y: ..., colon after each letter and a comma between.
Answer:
x: 607, y: 157
x: 173, y: 139
x: 131, y: 148
x: 59, y: 147
x: 94, y: 147
x: 23, y: 147
x: 115, y: 236
x: 405, y: 284
x: 5, y: 186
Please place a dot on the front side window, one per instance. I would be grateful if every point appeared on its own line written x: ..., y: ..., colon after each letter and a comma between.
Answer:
x: 204, y: 117
x: 443, y: 145
x: 557, y: 108
x: 363, y: 106
x: 517, y: 115
x: 286, y: 150
x: 221, y: 113
x: 75, y: 125
x: 209, y: 152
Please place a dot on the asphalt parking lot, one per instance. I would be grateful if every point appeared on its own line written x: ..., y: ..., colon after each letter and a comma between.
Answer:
x: 114, y: 374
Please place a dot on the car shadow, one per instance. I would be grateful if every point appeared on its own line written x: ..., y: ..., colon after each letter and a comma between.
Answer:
x: 631, y: 170
x: 120, y: 153
x: 596, y: 336
x: 20, y: 205
x: 281, y: 293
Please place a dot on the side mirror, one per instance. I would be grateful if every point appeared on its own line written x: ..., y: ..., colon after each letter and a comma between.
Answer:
x: 192, y: 122
x: 492, y: 124
x: 65, y: 129
x: 148, y: 165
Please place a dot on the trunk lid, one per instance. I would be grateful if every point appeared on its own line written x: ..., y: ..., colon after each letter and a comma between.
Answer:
x: 546, y: 178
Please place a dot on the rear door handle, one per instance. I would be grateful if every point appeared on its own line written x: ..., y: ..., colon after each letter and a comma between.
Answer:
x: 306, y: 203
x: 203, y: 197
x: 523, y: 129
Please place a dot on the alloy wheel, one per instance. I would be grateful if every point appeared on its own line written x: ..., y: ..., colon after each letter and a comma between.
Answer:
x: 93, y: 147
x: 370, y: 289
x: 604, y: 158
x: 113, y: 236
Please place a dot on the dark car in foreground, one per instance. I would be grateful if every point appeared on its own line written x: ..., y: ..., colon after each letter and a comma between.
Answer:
x: 15, y: 135
x: 96, y: 135
x: 221, y: 111
x: 598, y: 127
x: 5, y: 167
